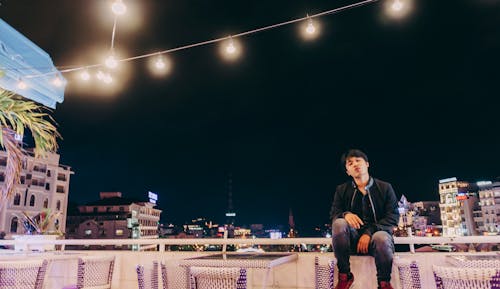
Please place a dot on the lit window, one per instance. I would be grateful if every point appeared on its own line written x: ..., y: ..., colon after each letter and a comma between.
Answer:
x: 119, y: 232
x: 88, y: 232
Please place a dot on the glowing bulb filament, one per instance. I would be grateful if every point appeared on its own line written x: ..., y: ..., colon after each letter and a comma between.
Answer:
x: 107, y: 78
x: 85, y: 75
x: 230, y: 49
x: 310, y: 29
x: 160, y: 64
x: 397, y: 5
x: 111, y: 62
x: 118, y: 7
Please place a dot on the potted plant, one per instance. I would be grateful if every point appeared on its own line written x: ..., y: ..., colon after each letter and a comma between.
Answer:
x: 38, y: 228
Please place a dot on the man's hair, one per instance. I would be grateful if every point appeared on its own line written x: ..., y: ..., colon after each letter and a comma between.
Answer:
x: 353, y: 153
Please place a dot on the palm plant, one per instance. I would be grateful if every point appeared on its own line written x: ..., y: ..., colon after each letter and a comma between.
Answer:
x: 17, y: 115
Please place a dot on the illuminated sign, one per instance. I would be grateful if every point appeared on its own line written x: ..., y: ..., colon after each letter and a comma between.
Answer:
x: 448, y: 180
x: 461, y: 197
x: 230, y: 214
x: 153, y: 197
x: 483, y: 183
x: 275, y: 235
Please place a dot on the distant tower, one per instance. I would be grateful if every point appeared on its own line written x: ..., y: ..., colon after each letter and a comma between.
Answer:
x: 230, y: 214
x: 292, y: 233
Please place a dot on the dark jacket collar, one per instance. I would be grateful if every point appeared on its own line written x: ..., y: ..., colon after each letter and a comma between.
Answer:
x: 368, y: 186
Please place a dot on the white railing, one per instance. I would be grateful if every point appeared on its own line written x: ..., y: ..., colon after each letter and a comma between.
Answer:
x: 161, y: 243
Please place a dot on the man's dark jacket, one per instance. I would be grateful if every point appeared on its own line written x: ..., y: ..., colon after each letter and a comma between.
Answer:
x: 381, y: 196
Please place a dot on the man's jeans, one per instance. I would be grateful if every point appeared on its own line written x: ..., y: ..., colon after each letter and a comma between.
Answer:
x: 345, y: 241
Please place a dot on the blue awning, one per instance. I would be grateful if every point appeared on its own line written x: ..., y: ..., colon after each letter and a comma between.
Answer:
x: 22, y: 60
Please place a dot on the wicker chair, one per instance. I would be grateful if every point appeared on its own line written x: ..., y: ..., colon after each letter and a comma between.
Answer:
x: 324, y: 274
x: 22, y: 274
x: 147, y: 279
x: 470, y: 278
x: 164, y: 275
x: 409, y: 274
x: 217, y: 277
x: 94, y: 272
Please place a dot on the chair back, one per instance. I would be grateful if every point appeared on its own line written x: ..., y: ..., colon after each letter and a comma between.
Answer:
x: 164, y: 275
x: 147, y: 278
x: 469, y: 278
x: 22, y: 274
x: 95, y: 272
x: 409, y: 274
x: 324, y: 274
x: 218, y: 277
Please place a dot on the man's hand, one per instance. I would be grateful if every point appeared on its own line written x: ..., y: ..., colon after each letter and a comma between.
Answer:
x: 363, y: 243
x: 353, y: 220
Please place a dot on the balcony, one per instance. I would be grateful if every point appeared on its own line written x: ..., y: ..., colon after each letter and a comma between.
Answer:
x: 297, y: 274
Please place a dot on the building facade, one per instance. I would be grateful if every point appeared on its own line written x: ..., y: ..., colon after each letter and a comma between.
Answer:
x: 451, y: 191
x: 114, y: 217
x: 488, y: 217
x: 44, y: 184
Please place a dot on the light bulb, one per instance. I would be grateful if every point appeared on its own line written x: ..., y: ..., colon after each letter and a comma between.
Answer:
x: 107, y: 78
x: 111, y: 62
x: 159, y: 63
x: 21, y: 85
x: 397, y: 5
x: 118, y: 7
x: 230, y: 49
x: 85, y: 75
x: 57, y: 82
x: 310, y: 29
x: 100, y: 75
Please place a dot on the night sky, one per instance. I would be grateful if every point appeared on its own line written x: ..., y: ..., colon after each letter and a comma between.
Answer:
x: 419, y: 95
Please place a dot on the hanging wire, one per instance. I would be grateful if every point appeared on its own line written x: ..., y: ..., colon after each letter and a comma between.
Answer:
x: 113, y: 34
x: 257, y: 30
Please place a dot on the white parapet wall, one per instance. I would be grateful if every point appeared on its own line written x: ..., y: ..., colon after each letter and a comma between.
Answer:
x: 294, y: 275
x: 298, y: 274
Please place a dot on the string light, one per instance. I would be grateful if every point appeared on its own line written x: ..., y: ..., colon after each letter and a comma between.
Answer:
x: 230, y: 48
x: 104, y: 77
x: 99, y: 75
x: 398, y: 9
x: 107, y: 78
x: 159, y: 63
x: 111, y: 61
x: 310, y: 29
x: 118, y: 7
x: 397, y: 5
x: 84, y: 75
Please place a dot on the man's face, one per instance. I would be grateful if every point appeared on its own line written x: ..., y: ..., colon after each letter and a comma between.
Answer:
x: 356, y: 167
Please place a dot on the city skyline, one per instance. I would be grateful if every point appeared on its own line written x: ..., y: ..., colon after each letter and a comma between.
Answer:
x: 416, y: 94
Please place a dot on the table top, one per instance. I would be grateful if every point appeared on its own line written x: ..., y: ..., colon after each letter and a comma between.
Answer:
x: 474, y: 261
x: 11, y: 255
x: 242, y: 260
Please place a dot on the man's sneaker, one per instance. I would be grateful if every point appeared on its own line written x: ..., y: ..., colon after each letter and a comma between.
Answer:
x: 345, y: 281
x: 384, y: 285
